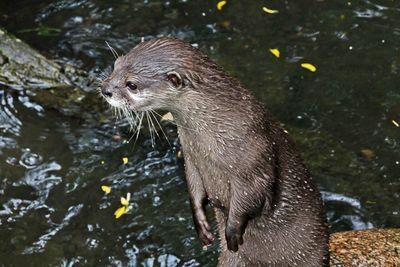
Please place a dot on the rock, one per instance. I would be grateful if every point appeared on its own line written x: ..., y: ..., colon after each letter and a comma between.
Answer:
x: 64, y: 88
x: 21, y: 66
x: 375, y: 247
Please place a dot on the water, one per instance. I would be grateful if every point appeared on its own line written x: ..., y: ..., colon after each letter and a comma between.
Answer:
x: 53, y: 212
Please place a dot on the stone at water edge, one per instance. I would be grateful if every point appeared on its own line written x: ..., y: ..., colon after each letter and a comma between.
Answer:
x: 47, y: 83
x: 369, y: 248
x: 22, y: 66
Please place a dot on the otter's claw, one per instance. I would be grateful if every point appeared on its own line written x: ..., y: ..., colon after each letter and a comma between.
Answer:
x: 203, y: 230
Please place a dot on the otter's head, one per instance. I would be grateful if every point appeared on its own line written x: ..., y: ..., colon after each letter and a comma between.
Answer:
x: 153, y: 75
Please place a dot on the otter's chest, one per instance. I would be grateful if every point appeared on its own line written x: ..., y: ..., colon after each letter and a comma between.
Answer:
x: 212, y: 163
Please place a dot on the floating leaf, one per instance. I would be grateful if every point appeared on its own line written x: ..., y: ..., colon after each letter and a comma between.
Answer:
x: 221, y: 4
x: 120, y: 211
x: 275, y: 52
x: 167, y: 117
x: 270, y: 11
x: 106, y: 189
x: 395, y: 123
x: 125, y: 201
x: 368, y: 153
x: 116, y: 137
x: 226, y: 24
x: 43, y: 30
x: 125, y: 160
x: 309, y: 67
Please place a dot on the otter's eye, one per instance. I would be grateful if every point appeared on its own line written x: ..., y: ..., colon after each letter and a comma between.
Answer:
x: 131, y: 86
x: 175, y: 79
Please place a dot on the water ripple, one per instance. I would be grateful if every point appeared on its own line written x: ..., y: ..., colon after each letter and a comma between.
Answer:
x: 39, y: 245
x: 58, y: 6
x: 30, y: 160
x: 9, y: 121
x: 41, y: 179
x: 337, y: 215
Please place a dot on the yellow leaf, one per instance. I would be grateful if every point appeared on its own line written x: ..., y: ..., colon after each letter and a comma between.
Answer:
x: 309, y: 67
x: 124, y: 201
x: 221, y: 4
x: 125, y: 160
x: 395, y: 123
x: 106, y: 189
x: 167, y: 117
x: 275, y: 52
x: 120, y: 211
x: 270, y: 11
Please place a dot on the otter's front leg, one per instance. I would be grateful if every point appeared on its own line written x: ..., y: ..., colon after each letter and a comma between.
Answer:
x: 198, y: 201
x: 248, y: 199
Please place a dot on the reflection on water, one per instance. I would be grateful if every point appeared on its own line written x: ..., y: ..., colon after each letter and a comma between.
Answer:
x: 9, y: 122
x: 52, y: 210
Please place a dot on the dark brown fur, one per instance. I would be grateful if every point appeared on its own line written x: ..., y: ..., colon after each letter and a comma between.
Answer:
x: 269, y: 211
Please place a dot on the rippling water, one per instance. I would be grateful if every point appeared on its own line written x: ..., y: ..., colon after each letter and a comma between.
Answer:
x: 52, y: 210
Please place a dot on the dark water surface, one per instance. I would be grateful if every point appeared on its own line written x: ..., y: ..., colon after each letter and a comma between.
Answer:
x: 52, y: 210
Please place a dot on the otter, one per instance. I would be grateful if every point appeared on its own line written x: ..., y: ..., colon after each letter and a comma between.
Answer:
x: 237, y: 158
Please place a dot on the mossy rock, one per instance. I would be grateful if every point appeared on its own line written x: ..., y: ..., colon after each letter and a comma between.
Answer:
x: 53, y: 86
x: 22, y: 66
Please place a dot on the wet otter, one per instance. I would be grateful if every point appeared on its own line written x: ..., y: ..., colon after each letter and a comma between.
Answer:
x: 237, y: 157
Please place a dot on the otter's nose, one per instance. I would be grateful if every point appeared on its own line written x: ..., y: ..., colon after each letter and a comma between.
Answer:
x: 106, y: 92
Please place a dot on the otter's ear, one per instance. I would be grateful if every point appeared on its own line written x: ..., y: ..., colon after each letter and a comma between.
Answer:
x: 175, y: 78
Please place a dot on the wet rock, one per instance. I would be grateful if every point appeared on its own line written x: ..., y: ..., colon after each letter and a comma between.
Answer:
x: 53, y: 86
x: 21, y: 66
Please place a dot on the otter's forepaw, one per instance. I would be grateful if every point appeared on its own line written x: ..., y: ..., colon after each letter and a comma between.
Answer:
x: 234, y: 237
x: 203, y: 230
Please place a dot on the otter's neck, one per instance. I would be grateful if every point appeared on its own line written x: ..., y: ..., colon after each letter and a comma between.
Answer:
x: 209, y: 113
x: 227, y: 117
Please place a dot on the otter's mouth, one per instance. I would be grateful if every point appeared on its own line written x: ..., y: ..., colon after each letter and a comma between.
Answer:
x: 136, y: 117
x: 113, y: 103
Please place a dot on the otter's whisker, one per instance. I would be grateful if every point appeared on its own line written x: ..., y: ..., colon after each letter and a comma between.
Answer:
x: 128, y: 114
x: 138, y: 128
x: 119, y: 113
x: 159, y: 125
x: 176, y: 124
x: 115, y: 54
x: 151, y: 130
x: 134, y: 124
x: 152, y: 123
x: 134, y: 115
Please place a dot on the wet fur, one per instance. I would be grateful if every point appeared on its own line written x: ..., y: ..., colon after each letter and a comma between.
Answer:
x: 237, y: 158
